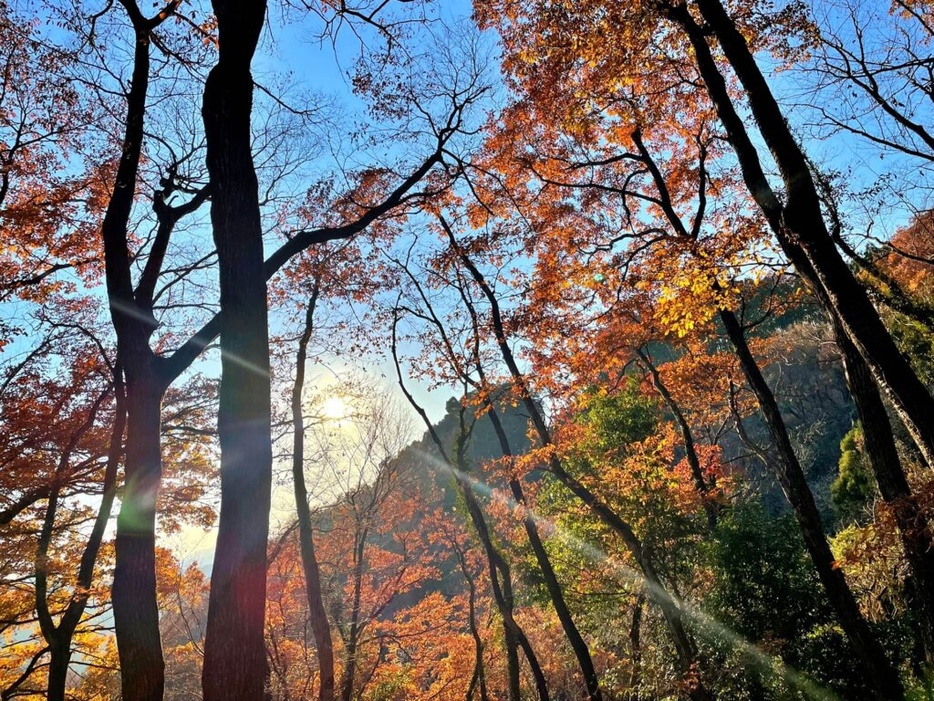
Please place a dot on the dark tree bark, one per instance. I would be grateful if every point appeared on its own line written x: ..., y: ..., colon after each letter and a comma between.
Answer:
x: 635, y: 643
x: 880, y: 673
x: 553, y: 586
x: 136, y: 618
x: 59, y: 637
x: 478, y: 678
x: 501, y: 583
x: 862, y: 379
x: 148, y: 376
x: 234, y: 650
x: 352, y: 640
x: 555, y: 592
x: 136, y: 614
x: 800, y: 230
x: 913, y: 525
x: 799, y: 223
x: 317, y: 612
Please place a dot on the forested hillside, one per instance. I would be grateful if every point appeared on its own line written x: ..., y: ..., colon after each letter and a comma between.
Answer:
x: 394, y: 350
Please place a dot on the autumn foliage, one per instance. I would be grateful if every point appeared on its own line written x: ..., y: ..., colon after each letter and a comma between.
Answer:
x: 540, y: 350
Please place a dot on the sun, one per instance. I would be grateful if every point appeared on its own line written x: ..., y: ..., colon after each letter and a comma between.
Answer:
x: 334, y: 408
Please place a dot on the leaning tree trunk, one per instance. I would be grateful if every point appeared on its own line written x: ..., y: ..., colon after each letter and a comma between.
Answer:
x: 701, y: 484
x: 799, y: 223
x: 59, y: 637
x: 501, y: 583
x: 687, y: 661
x: 553, y: 586
x: 60, y: 648
x: 879, y: 671
x: 800, y: 230
x: 913, y: 525
x: 513, y: 634
x: 500, y: 574
x: 234, y: 651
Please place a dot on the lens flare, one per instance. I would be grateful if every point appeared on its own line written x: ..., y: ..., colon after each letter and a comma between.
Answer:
x: 706, y: 625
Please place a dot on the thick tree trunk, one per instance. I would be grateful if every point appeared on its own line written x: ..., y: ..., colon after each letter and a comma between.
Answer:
x: 234, y: 652
x: 136, y: 618
x: 59, y: 661
x: 136, y: 614
x: 800, y: 223
x: 879, y: 671
x: 913, y: 526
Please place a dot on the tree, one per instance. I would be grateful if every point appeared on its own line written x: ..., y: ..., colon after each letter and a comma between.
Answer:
x: 471, y: 373
x: 500, y: 573
x: 58, y: 448
x: 234, y: 652
x: 324, y: 648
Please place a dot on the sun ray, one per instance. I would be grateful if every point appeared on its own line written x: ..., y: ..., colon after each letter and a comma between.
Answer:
x: 764, y: 662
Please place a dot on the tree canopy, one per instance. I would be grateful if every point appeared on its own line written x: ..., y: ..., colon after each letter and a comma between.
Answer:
x: 509, y: 350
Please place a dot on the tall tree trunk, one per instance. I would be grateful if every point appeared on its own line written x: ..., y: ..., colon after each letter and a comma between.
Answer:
x: 555, y: 593
x: 136, y: 613
x: 878, y: 670
x: 320, y: 628
x: 234, y: 652
x: 800, y: 229
x: 800, y: 222
x: 136, y: 618
x: 913, y: 525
